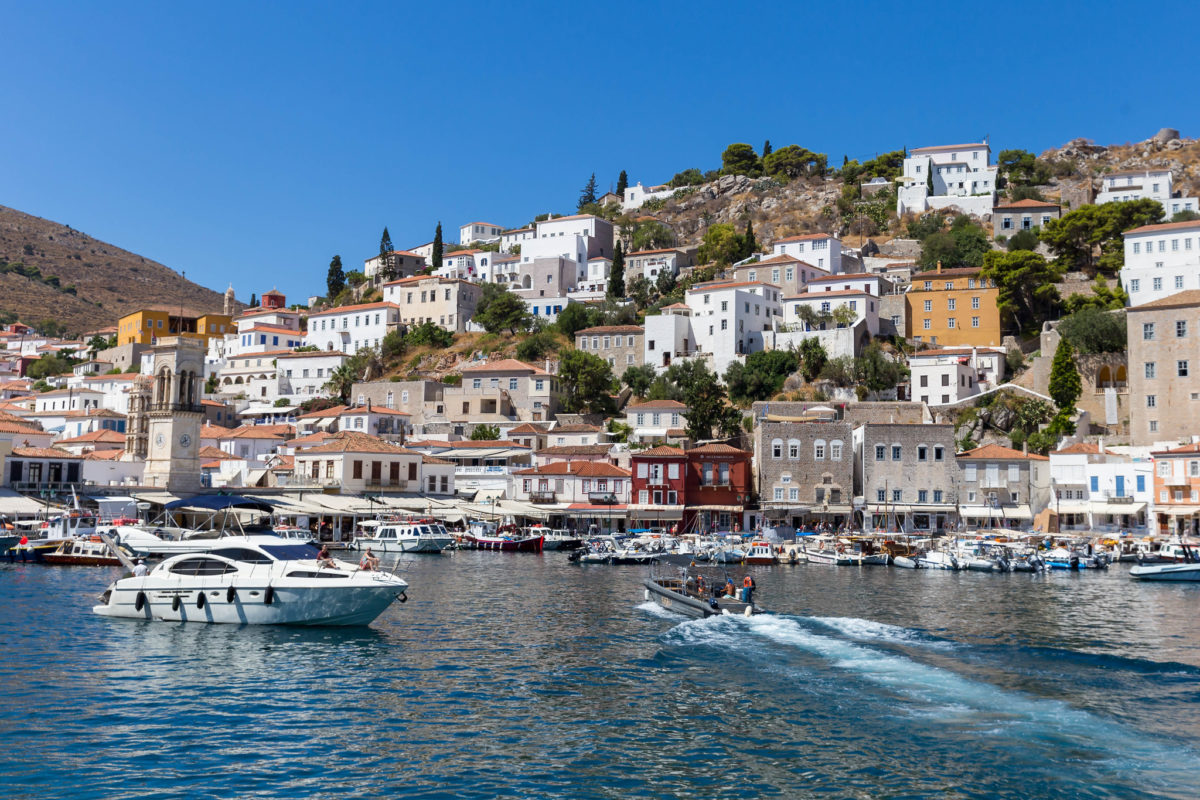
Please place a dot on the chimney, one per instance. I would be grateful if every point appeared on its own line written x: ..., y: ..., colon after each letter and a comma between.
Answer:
x: 939, y: 266
x: 1025, y: 448
x: 368, y: 405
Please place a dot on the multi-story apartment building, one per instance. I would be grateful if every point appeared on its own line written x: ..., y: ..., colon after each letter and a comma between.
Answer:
x: 149, y: 325
x: 805, y: 471
x: 1001, y: 487
x: 954, y: 307
x: 651, y: 263
x: 730, y: 319
x: 659, y: 487
x: 1095, y: 489
x: 507, y: 388
x: 1177, y: 489
x: 1146, y: 184
x: 956, y: 175
x: 357, y: 463
x: 577, y: 238
x: 572, y: 482
x: 792, y: 275
x: 516, y: 238
x: 909, y: 476
x: 305, y: 374
x: 656, y: 420
x: 719, y: 485
x: 1023, y: 215
x: 622, y: 346
x: 1161, y: 260
x: 349, y: 329
x: 948, y: 375
x: 1164, y: 368
x: 403, y: 264
x: 446, y: 302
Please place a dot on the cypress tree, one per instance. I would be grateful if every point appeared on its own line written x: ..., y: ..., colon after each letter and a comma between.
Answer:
x: 1065, y: 386
x: 437, y: 246
x: 386, y: 271
x: 622, y: 184
x: 616, y: 275
x: 766, y: 148
x: 253, y: 300
x: 588, y: 195
x: 335, y: 280
x: 749, y: 242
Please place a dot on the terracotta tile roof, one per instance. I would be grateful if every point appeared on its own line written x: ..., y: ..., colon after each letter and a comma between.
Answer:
x: 358, y: 307
x: 22, y: 428
x: 649, y: 405
x: 999, y: 452
x: 91, y: 412
x: 252, y: 432
x: 1081, y: 448
x: 9, y: 386
x: 353, y: 442
x: 104, y: 455
x: 312, y: 354
x: 580, y: 469
x: 1028, y: 203
x: 528, y: 427
x: 782, y: 258
x: 67, y: 392
x: 1166, y: 226
x: 215, y: 453
x: 624, y: 329
x: 504, y: 365
x: 662, y: 451
x: 428, y: 459
x: 856, y: 276
x: 284, y: 464
x: 705, y: 287
x: 1186, y: 449
x: 335, y: 411
x: 43, y: 452
x: 574, y: 450
x: 957, y: 272
x: 102, y: 435
x: 949, y: 147
x: 581, y: 428
x: 311, y: 439
x: 119, y: 376
x: 684, y: 306
x: 831, y: 293
x: 467, y: 443
x: 717, y: 449
x: 1190, y: 297
x: 652, y: 252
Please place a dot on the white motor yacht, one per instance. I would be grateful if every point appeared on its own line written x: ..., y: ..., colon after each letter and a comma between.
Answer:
x: 412, y: 536
x: 254, y: 580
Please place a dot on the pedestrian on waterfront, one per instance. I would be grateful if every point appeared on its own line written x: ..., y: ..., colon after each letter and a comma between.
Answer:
x: 140, y: 570
x: 369, y: 561
x: 324, y: 559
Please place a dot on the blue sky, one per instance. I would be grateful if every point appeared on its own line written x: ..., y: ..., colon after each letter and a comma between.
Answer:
x: 249, y: 142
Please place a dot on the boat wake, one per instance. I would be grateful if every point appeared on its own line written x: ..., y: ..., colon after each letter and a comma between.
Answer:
x: 939, y: 695
x: 655, y: 610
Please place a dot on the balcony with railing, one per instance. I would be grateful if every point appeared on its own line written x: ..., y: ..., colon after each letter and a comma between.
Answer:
x: 309, y: 482
x: 380, y: 485
x: 542, y: 497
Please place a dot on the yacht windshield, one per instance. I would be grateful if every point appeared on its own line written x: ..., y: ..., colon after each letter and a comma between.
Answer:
x: 291, y: 552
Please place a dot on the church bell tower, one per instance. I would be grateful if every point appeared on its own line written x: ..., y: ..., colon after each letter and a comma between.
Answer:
x: 174, y: 414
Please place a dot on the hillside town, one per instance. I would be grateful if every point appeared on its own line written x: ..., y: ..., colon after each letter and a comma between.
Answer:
x: 963, y: 349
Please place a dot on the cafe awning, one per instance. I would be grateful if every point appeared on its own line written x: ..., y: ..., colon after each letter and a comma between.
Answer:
x: 1022, y: 511
x: 655, y: 512
x: 1119, y: 509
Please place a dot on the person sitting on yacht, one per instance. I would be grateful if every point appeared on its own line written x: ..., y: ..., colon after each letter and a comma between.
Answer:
x: 324, y: 559
x: 369, y: 561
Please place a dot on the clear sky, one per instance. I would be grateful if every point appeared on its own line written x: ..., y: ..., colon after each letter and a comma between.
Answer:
x: 248, y: 142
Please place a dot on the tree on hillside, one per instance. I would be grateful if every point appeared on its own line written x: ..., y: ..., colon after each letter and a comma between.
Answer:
x: 761, y: 376
x: 335, y: 279
x: 341, y: 381
x: 964, y: 245
x: 766, y: 148
x: 585, y: 381
x: 749, y: 242
x: 1022, y: 168
x: 505, y: 311
x: 438, y: 247
x: 1102, y: 297
x: 708, y: 413
x: 638, y: 289
x: 1022, y: 240
x: 588, y: 195
x: 616, y: 274
x: 876, y: 372
x: 97, y: 342
x: 1028, y: 295
x: 1065, y: 386
x: 722, y: 244
x: 1091, y: 330
x: 792, y: 162
x: 574, y: 318
x: 1090, y: 237
x: 253, y: 300
x: 650, y: 234
x: 740, y: 159
x: 688, y: 177
x: 622, y: 184
x: 485, y: 433
x: 387, y: 268
x: 638, y: 379
x: 812, y: 358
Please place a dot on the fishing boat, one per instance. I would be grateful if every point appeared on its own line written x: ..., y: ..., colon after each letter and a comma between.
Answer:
x: 90, y: 552
x: 828, y: 550
x: 411, y: 536
x: 760, y: 554
x: 555, y: 538
x: 697, y: 592
x: 254, y: 580
x: 978, y: 556
x: 1188, y: 570
x: 508, y: 538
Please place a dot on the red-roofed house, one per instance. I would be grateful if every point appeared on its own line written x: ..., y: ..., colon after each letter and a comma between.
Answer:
x: 719, y: 485
x: 1001, y: 487
x: 652, y: 420
x: 590, y: 482
x: 349, y: 329
x: 659, y: 480
x: 359, y: 463
x: 448, y: 303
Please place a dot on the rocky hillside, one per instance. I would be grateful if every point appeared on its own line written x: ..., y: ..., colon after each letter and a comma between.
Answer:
x: 51, y: 271
x: 806, y: 205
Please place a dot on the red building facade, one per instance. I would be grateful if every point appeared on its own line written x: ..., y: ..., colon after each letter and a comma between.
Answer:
x: 659, y: 488
x: 719, y: 485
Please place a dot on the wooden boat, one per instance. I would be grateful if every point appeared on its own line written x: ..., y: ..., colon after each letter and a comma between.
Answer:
x: 510, y: 543
x: 89, y: 552
x: 697, y: 592
x: 760, y: 554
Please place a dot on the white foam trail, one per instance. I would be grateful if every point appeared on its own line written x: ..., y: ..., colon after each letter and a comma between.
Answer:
x: 949, y: 696
x: 870, y: 630
x: 655, y: 610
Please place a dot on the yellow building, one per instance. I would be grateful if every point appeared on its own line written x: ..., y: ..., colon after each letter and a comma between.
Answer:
x: 149, y: 325
x: 953, y: 307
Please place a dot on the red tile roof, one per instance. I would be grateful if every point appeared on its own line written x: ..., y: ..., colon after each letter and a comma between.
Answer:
x: 624, y: 329
x: 102, y: 435
x: 353, y: 442
x: 574, y: 450
x: 42, y: 452
x: 805, y: 237
x: 504, y: 365
x: 359, y: 307
x: 650, y: 405
x: 1166, y: 226
x: 1187, y: 449
x: 662, y: 451
x: 1028, y: 203
x: 580, y: 469
x: 1000, y: 452
x: 717, y: 449
x: 1081, y: 448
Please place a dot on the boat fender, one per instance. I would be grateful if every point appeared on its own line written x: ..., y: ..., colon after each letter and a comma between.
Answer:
x: 200, y: 600
x: 269, y: 596
x: 402, y: 597
x: 646, y: 593
x: 749, y: 611
x: 139, y: 602
x: 175, y: 603
x: 230, y: 594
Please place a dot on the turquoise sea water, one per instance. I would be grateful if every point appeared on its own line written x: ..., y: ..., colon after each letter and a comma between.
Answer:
x: 511, y: 675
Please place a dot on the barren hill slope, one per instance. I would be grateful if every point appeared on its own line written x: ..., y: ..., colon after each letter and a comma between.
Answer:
x: 108, y: 281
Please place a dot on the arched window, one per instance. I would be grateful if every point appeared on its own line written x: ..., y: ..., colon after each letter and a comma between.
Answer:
x: 793, y: 449
x: 777, y: 448
x: 819, y: 450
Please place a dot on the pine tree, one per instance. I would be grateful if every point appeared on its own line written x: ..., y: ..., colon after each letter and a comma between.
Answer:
x: 437, y: 246
x: 335, y: 280
x: 766, y: 148
x: 749, y: 242
x: 253, y: 300
x: 622, y: 184
x: 387, y: 270
x: 1065, y: 386
x: 588, y: 195
x: 616, y: 275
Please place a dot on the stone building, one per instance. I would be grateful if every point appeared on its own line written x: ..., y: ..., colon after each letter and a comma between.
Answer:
x: 1164, y: 365
x: 622, y: 346
x: 910, y: 476
x: 1001, y: 487
x: 805, y: 472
